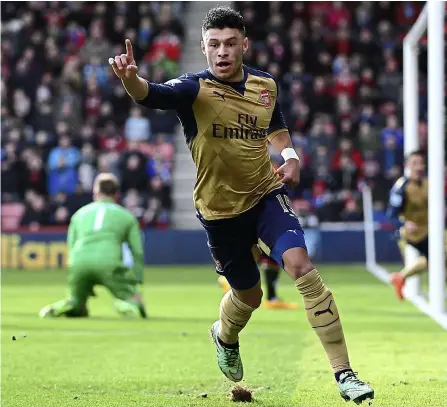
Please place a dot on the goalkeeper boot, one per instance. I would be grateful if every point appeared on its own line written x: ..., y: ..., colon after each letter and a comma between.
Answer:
x: 398, y: 281
x: 353, y: 389
x: 228, y: 359
x: 127, y: 309
x: 223, y: 282
x: 142, y: 310
x: 277, y: 303
x: 138, y: 300
x: 63, y: 308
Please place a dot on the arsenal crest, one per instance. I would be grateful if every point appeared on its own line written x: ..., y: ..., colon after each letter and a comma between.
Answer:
x: 265, y: 98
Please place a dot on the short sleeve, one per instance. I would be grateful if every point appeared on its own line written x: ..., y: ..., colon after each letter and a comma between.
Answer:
x: 277, y: 122
x: 174, y: 94
x: 396, y: 202
x: 397, y: 196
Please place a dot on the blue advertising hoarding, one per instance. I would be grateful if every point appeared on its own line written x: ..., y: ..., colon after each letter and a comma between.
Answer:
x: 47, y: 250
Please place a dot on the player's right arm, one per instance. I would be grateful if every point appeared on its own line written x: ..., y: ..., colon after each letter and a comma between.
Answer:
x: 136, y: 247
x: 172, y: 95
x: 71, y: 236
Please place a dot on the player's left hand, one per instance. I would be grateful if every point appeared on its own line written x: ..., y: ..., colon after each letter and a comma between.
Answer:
x: 289, y: 172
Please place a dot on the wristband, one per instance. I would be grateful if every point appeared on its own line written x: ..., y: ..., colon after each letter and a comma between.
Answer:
x: 289, y: 153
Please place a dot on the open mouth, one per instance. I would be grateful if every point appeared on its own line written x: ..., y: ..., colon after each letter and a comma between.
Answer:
x: 223, y: 64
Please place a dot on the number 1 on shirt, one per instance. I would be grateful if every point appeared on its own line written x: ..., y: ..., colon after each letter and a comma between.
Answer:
x: 99, y: 219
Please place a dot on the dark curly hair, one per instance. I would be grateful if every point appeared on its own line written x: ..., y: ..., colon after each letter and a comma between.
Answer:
x: 223, y: 17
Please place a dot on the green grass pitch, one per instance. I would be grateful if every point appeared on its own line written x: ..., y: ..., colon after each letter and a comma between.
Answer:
x: 169, y: 359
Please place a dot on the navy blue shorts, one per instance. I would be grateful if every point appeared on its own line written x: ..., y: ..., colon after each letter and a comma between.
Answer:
x: 271, y: 224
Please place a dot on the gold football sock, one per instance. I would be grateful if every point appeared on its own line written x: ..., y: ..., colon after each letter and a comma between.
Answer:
x: 323, y: 316
x: 419, y: 266
x: 234, y: 315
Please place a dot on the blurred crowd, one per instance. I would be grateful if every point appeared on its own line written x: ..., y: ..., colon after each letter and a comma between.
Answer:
x: 65, y: 116
x: 339, y: 69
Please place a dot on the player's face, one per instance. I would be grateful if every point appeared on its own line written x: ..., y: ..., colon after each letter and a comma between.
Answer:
x: 416, y: 167
x: 224, y: 50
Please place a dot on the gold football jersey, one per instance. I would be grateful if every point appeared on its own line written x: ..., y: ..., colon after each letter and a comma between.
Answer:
x: 227, y: 127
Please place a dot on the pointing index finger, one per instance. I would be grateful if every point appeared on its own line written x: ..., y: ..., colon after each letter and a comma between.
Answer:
x: 129, y: 50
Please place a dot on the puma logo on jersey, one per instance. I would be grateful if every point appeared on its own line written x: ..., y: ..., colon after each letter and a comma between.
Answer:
x: 221, y: 95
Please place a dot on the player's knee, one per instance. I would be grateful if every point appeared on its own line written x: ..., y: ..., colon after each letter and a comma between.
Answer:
x: 297, y: 263
x: 300, y: 269
x: 255, y: 300
x: 251, y: 297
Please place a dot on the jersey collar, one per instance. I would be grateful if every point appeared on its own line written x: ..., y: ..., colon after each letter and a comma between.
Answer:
x: 237, y: 86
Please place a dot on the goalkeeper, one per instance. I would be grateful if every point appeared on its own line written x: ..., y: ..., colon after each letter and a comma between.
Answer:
x: 95, y: 238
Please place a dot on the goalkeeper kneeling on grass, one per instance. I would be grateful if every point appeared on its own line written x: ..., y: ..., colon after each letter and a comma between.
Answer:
x: 95, y: 238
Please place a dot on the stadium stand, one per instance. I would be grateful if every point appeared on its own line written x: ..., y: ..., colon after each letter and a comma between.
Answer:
x: 65, y: 117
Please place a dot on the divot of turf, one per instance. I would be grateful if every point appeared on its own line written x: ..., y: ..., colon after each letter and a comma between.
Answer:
x: 241, y: 394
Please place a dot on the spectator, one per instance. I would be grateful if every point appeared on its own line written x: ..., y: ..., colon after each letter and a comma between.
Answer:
x: 12, y: 174
x: 321, y: 134
x: 338, y: 15
x: 133, y: 201
x: 62, y: 167
x: 97, y: 70
x: 61, y: 216
x: 165, y: 52
x: 392, y: 130
x: 145, y: 32
x: 35, y: 175
x: 138, y: 128
x: 390, y: 82
x: 368, y: 139
x: 97, y: 45
x: 320, y: 159
x: 321, y: 99
x: 68, y: 107
x: 157, y: 201
x: 87, y: 172
x: 36, y: 214
x: 392, y: 159
x: 133, y: 170
x: 346, y: 174
x: 347, y: 151
x: 352, y: 211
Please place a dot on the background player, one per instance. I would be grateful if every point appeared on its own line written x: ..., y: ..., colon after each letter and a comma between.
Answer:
x: 409, y: 202
x: 95, y: 237
x: 419, y: 266
x: 229, y: 112
x: 271, y: 269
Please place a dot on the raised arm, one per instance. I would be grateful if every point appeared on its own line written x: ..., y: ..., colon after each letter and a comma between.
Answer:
x: 125, y: 68
x: 173, y: 95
